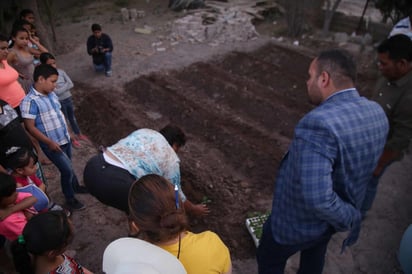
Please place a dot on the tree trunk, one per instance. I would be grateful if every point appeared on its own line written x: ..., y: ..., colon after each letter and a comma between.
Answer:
x: 329, y: 12
x: 313, y: 10
x: 295, y: 16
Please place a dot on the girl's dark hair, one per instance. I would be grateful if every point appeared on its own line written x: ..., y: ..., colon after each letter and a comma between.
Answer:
x: 19, y: 157
x: 17, y: 30
x: 152, y: 207
x: 25, y: 12
x: 14, y: 32
x: 7, y: 185
x: 174, y: 135
x: 46, y: 56
x: 3, y: 38
x: 49, y: 231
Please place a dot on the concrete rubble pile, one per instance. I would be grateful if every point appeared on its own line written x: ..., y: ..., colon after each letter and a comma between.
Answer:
x: 223, y: 26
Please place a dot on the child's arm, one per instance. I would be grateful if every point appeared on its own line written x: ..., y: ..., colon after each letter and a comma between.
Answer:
x: 86, y: 271
x: 31, y: 128
x: 43, y: 187
x: 24, y: 204
x: 68, y: 84
x: 40, y: 47
x: 11, y: 58
x: 39, y: 183
x: 3, y: 170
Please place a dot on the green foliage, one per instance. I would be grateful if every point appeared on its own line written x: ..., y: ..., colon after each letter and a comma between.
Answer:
x: 206, y: 200
x: 394, y: 9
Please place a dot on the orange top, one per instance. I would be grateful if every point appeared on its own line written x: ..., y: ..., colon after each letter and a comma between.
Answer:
x: 10, y: 89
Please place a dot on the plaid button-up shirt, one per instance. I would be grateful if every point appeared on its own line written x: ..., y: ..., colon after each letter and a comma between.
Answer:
x: 47, y: 116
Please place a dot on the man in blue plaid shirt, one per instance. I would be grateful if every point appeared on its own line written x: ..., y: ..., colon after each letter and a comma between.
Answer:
x: 322, y: 179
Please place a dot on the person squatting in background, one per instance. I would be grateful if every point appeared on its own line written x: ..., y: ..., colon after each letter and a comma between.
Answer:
x: 100, y: 47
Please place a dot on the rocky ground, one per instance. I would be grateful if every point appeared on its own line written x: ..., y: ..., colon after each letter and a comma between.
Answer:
x: 238, y: 102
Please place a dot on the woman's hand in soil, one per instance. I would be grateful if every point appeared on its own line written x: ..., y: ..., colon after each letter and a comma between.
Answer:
x: 200, y: 210
x: 196, y: 210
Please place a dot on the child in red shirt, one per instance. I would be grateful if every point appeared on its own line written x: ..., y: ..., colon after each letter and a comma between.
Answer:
x: 22, y: 162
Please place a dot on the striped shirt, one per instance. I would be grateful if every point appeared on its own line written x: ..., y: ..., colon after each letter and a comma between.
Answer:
x: 47, y: 116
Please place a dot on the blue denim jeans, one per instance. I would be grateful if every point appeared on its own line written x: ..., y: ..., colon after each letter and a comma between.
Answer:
x: 107, y: 64
x: 272, y: 256
x: 68, y: 111
x: 62, y: 160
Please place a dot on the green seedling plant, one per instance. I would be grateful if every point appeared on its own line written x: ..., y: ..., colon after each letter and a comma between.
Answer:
x: 256, y: 220
x: 206, y: 200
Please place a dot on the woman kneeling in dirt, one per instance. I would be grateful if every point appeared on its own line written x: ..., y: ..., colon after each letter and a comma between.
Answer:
x: 156, y: 213
x: 110, y: 174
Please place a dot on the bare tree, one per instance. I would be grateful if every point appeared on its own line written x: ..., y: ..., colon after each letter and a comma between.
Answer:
x: 302, y: 14
x: 295, y: 16
x: 329, y: 12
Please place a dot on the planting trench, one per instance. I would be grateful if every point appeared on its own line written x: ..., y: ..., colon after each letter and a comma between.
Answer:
x: 238, y: 112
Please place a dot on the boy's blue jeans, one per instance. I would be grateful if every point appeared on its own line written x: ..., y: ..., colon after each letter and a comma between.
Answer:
x: 68, y: 111
x: 107, y: 64
x: 62, y: 160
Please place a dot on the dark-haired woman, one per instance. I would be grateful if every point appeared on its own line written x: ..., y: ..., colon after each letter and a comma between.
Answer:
x: 157, y: 213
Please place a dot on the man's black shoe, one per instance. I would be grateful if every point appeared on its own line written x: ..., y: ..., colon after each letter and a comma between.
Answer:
x: 74, y: 204
x: 80, y: 189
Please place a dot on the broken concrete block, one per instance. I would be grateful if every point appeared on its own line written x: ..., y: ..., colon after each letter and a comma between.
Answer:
x: 143, y: 30
x: 125, y: 15
x: 133, y: 14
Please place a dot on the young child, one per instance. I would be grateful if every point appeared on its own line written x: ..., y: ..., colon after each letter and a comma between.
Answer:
x: 63, y: 86
x: 33, y: 44
x: 44, y: 120
x: 40, y: 248
x: 15, y: 208
x: 22, y: 162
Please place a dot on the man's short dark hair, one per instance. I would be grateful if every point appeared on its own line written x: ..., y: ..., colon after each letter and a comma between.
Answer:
x: 96, y: 27
x: 44, y: 70
x: 398, y: 47
x: 174, y: 135
x: 25, y: 12
x: 339, y: 64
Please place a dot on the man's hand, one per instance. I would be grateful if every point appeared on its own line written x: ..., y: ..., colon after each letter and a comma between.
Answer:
x: 386, y: 158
